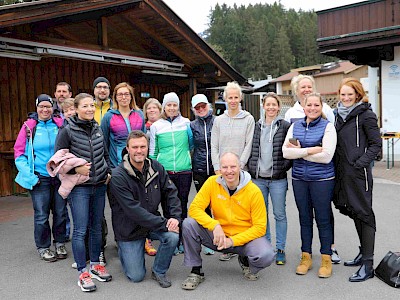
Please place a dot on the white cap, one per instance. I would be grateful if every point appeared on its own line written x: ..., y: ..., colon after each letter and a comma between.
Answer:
x: 199, y: 98
x: 170, y: 97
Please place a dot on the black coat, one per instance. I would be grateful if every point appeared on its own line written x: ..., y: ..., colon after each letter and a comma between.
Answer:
x: 280, y: 165
x: 201, y: 129
x: 358, y: 143
x: 134, y: 201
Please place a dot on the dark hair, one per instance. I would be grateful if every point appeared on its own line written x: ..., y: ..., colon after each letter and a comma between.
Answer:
x: 136, y: 134
x: 66, y: 84
x: 271, y: 95
x: 79, y: 97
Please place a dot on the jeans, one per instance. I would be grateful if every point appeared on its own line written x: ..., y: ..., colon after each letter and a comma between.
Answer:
x: 131, y: 254
x: 259, y: 251
x: 314, y: 198
x: 277, y: 189
x: 45, y: 197
x: 87, y: 208
x: 183, y: 182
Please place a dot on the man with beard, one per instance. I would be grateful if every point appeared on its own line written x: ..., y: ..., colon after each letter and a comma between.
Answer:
x: 138, y: 186
x: 102, y: 101
x: 63, y: 91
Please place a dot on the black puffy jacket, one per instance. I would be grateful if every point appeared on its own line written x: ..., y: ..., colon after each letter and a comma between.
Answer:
x: 85, y: 139
x: 201, y: 160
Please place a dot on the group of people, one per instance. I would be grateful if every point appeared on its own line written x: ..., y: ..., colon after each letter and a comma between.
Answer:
x: 143, y: 160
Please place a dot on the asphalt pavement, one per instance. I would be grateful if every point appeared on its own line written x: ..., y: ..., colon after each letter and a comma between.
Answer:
x: 25, y: 276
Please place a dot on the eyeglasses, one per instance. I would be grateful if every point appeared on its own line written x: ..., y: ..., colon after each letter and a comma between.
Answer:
x: 126, y: 95
x: 44, y: 106
x: 200, y: 106
x: 102, y: 87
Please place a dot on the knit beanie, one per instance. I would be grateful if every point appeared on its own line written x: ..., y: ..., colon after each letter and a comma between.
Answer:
x: 101, y: 79
x: 170, y: 97
x: 44, y: 97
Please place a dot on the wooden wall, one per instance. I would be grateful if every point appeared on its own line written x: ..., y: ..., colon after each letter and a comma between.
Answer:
x: 358, y: 17
x: 21, y: 81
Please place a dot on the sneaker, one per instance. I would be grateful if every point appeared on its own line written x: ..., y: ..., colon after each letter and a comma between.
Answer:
x: 208, y: 251
x: 335, y: 258
x: 61, y: 252
x: 280, y: 257
x: 48, y: 255
x: 244, y: 264
x: 149, y: 248
x: 86, y: 283
x: 102, y: 259
x: 227, y: 256
x: 100, y: 273
x: 162, y: 280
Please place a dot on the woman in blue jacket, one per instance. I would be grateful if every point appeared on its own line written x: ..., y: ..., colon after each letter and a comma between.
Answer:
x: 32, y: 150
x: 311, y: 143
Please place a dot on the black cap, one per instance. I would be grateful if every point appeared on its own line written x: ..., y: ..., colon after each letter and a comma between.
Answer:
x: 44, y: 97
x: 100, y: 79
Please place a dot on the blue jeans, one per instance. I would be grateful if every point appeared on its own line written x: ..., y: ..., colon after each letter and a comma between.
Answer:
x: 314, y: 198
x: 87, y: 209
x: 277, y: 189
x: 45, y: 197
x: 131, y: 254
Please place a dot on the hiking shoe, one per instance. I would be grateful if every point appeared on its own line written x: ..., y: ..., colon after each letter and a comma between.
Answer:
x: 305, y: 264
x: 48, y: 255
x: 86, y: 283
x: 149, y: 248
x: 208, y: 251
x: 335, y: 258
x: 244, y: 264
x: 61, y: 252
x: 227, y: 256
x: 280, y: 257
x: 102, y: 259
x: 100, y: 273
x: 162, y: 280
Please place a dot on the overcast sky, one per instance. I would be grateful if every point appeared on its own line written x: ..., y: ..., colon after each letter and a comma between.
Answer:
x: 195, y: 12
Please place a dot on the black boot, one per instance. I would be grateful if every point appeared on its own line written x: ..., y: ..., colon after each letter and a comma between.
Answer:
x: 354, y: 262
x: 366, y: 271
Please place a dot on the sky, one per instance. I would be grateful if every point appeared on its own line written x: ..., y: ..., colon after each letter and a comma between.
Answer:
x: 195, y: 12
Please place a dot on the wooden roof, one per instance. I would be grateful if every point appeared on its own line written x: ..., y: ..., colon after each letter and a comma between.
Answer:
x: 146, y: 29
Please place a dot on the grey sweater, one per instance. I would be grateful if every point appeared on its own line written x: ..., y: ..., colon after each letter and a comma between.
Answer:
x: 232, y: 134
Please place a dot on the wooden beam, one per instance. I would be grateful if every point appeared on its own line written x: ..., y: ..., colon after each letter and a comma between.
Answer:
x: 102, y: 33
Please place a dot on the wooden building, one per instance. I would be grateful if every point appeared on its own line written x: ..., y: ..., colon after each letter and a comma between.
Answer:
x: 142, y: 42
x: 368, y: 33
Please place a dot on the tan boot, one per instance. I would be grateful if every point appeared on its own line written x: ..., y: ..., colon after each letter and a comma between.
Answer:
x: 305, y: 264
x: 325, y: 271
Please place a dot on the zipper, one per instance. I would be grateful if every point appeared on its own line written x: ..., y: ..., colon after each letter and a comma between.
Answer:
x: 173, y: 145
x: 205, y: 138
x: 92, y: 155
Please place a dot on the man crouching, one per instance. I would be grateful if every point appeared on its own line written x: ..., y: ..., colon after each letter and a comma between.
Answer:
x: 238, y: 224
x: 138, y: 186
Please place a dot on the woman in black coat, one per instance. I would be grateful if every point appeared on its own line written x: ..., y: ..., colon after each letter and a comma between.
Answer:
x: 358, y: 143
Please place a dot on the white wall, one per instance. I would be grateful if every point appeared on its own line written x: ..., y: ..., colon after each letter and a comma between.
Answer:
x: 391, y: 98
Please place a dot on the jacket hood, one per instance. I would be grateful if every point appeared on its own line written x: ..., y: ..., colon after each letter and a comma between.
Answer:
x: 244, y: 179
x: 241, y: 115
x: 277, y: 120
x: 359, y: 109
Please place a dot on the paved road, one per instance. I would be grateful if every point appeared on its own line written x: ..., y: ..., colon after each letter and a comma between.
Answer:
x: 25, y: 276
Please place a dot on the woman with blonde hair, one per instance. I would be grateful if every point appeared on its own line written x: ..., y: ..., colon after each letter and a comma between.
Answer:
x: 152, y: 111
x: 311, y: 143
x: 358, y: 144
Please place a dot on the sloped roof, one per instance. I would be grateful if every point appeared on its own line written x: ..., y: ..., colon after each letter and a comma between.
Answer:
x: 139, y: 28
x: 345, y: 67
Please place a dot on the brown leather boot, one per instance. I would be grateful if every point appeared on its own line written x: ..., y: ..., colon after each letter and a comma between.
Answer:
x: 305, y: 264
x: 325, y: 271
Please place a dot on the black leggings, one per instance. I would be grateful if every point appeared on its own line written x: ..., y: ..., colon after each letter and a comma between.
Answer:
x: 366, y: 234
